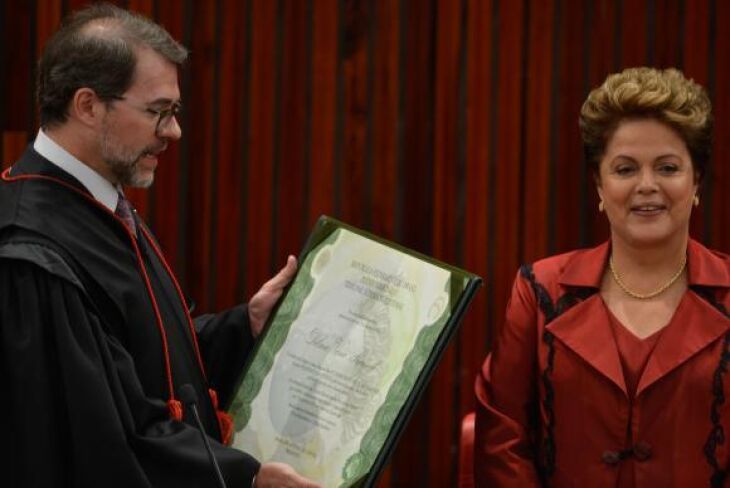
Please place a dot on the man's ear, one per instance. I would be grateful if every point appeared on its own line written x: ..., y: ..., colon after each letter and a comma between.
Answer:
x: 86, y: 107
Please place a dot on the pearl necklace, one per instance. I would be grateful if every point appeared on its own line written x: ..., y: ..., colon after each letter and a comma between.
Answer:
x: 651, y: 294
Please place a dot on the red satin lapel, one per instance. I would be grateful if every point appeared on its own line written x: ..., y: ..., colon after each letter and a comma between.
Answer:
x: 695, y: 325
x: 586, y: 330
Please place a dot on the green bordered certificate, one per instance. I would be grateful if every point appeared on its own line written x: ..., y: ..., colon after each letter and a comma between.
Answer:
x: 346, y: 355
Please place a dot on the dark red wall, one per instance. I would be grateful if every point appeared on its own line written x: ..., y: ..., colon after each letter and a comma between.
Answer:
x: 449, y: 126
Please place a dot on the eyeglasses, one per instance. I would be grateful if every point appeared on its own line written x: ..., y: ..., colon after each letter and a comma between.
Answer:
x: 164, y: 115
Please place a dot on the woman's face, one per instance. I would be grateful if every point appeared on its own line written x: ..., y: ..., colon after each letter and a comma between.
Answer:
x: 647, y: 183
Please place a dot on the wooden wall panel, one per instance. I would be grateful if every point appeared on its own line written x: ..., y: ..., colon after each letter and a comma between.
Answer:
x: 48, y: 14
x: 449, y: 126
x: 507, y: 158
x: 447, y: 187
x: 536, y: 139
x: 696, y: 41
x: 5, y: 36
x: 291, y: 183
x: 567, y: 170
x: 13, y: 145
x: 668, y: 25
x: 383, y: 156
x: 479, y: 81
x: 417, y: 117
x: 260, y: 143
x: 204, y: 106
x: 716, y: 202
x: 325, y: 47
x: 18, y: 57
x: 354, y: 183
x: 634, y: 32
x: 229, y: 167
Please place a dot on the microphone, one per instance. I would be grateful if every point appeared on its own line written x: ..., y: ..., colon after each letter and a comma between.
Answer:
x: 190, y: 398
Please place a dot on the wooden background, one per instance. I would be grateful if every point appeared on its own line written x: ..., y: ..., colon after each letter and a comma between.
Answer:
x: 449, y: 126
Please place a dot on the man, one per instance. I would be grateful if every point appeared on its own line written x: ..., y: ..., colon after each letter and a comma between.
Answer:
x: 95, y: 337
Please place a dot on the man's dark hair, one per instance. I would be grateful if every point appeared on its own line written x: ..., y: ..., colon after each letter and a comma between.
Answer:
x: 94, y: 48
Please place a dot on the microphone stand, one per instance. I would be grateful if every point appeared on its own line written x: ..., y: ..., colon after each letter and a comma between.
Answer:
x: 190, y: 398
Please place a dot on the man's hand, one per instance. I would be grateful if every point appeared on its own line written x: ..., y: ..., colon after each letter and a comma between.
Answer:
x: 279, y: 475
x: 260, y: 305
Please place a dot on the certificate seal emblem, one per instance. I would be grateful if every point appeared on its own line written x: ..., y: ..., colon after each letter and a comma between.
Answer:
x: 321, y: 261
x: 437, y: 308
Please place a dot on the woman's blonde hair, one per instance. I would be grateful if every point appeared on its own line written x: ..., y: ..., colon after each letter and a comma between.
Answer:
x: 635, y: 93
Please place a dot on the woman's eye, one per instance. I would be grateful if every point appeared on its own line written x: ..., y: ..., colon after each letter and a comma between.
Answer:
x: 624, y: 170
x: 668, y: 169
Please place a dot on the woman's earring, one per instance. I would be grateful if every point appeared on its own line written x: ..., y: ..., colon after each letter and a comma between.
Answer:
x: 696, y: 201
x: 600, y: 206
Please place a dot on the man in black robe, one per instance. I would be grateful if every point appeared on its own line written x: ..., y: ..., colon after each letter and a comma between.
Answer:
x: 95, y: 335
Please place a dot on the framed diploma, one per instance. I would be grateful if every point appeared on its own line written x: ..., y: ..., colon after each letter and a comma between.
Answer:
x: 346, y: 355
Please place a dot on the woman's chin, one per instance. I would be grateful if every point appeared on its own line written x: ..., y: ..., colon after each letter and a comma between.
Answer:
x: 645, y: 238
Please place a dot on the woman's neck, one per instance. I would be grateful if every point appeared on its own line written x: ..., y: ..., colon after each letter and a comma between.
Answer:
x: 649, y: 257
x: 645, y: 268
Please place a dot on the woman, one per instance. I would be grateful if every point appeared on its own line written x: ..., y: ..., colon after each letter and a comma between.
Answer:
x: 611, y: 368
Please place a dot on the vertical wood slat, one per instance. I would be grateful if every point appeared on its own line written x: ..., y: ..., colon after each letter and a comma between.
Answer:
x: 4, y: 37
x: 417, y: 120
x: 668, y: 38
x: 442, y: 420
x: 353, y: 180
x: 292, y: 175
x: 48, y: 18
x: 384, y: 104
x: 696, y: 41
x: 18, y: 57
x: 324, y: 68
x: 230, y: 165
x: 508, y: 144
x: 537, y: 138
x: 13, y: 144
x: 478, y: 85
x: 720, y: 172
x: 634, y: 33
x: 260, y: 143
x: 566, y: 165
x: 201, y: 140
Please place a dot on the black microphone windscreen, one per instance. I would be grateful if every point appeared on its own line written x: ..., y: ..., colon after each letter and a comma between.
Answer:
x: 187, y: 394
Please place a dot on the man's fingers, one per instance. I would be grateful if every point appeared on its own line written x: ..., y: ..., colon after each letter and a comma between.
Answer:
x: 303, y: 482
x: 284, y: 276
x: 261, y: 303
x: 282, y: 475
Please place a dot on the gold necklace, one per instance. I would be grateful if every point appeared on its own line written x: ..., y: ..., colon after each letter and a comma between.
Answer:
x: 651, y: 294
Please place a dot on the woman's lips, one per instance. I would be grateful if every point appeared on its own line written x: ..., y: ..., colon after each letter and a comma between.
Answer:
x: 648, y: 210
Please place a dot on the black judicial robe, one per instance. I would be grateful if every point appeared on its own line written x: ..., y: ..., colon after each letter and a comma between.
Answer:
x: 82, y: 365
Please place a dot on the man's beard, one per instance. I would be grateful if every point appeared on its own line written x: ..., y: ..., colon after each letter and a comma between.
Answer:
x: 126, y: 173
x: 124, y: 162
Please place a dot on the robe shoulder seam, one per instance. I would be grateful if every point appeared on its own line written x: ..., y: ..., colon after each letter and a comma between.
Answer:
x: 43, y: 256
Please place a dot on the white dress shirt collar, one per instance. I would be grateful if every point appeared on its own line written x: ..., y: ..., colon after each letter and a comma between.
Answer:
x: 99, y: 187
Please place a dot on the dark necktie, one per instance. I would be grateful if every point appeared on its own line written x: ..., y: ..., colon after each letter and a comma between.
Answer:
x: 124, y: 212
